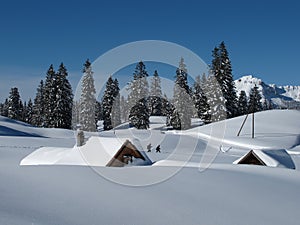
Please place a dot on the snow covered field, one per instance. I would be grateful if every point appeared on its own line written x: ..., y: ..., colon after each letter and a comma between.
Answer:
x: 222, y: 194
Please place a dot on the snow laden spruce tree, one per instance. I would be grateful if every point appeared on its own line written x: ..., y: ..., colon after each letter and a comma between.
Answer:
x: 15, y: 105
x: 111, y: 104
x: 39, y: 106
x: 28, y: 113
x: 75, y: 113
x: 139, y: 115
x: 1, y: 109
x: 124, y: 109
x: 155, y: 98
x: 87, y: 99
x: 255, y: 104
x: 64, y: 99
x: 215, y: 99
x: 98, y: 112
x: 57, y: 98
x: 139, y: 91
x: 4, y: 108
x: 116, y: 107
x: 182, y: 114
x: 167, y: 108
x: 138, y: 87
x: 222, y: 70
x: 50, y: 90
x: 23, y: 107
x: 200, y: 101
x: 242, y: 104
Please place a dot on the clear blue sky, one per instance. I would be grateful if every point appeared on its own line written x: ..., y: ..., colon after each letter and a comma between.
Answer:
x: 262, y: 37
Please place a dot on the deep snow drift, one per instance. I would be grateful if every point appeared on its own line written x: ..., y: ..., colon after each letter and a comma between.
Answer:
x: 222, y: 194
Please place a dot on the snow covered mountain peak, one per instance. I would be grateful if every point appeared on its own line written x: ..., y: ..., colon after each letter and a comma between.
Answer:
x: 246, y: 83
x: 292, y: 91
x: 278, y: 96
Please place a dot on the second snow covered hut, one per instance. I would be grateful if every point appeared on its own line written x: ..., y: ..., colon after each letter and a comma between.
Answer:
x: 271, y: 158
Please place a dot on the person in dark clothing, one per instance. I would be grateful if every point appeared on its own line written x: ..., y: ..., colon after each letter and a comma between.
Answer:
x: 158, y: 148
x: 149, y: 147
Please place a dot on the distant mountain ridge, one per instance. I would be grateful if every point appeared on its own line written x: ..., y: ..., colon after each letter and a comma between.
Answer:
x: 279, y: 96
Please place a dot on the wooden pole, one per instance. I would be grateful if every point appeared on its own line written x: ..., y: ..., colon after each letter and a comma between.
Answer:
x: 238, y: 134
x: 253, y: 125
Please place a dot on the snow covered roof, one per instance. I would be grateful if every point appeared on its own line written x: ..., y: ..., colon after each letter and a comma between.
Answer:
x: 271, y: 158
x: 98, y: 151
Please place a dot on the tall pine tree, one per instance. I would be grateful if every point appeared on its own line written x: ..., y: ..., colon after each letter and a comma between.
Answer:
x: 4, y: 110
x: 255, y: 104
x: 1, y: 109
x: 75, y: 114
x: 87, y: 99
x: 29, y: 112
x: 138, y: 88
x: 242, y: 104
x: 107, y: 103
x: 98, y: 112
x: 50, y: 91
x: 116, y: 110
x: 216, y: 101
x: 139, y: 115
x: 14, y: 104
x: 64, y: 99
x: 222, y: 70
x: 124, y: 109
x: 200, y: 101
x: 23, y: 108
x: 167, y: 108
x: 182, y: 99
x: 155, y: 98
x: 155, y: 87
x: 39, y: 106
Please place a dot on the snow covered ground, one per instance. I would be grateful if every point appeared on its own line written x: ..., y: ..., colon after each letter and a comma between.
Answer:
x: 273, y: 129
x: 222, y: 194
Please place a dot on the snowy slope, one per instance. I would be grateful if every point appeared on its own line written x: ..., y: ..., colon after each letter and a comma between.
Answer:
x: 9, y: 127
x: 274, y: 129
x: 224, y: 194
x: 281, y: 97
x: 17, y: 135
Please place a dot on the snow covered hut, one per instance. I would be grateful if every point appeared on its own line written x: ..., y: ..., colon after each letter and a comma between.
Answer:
x: 114, y: 152
x: 97, y: 151
x: 125, y: 155
x: 271, y: 158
